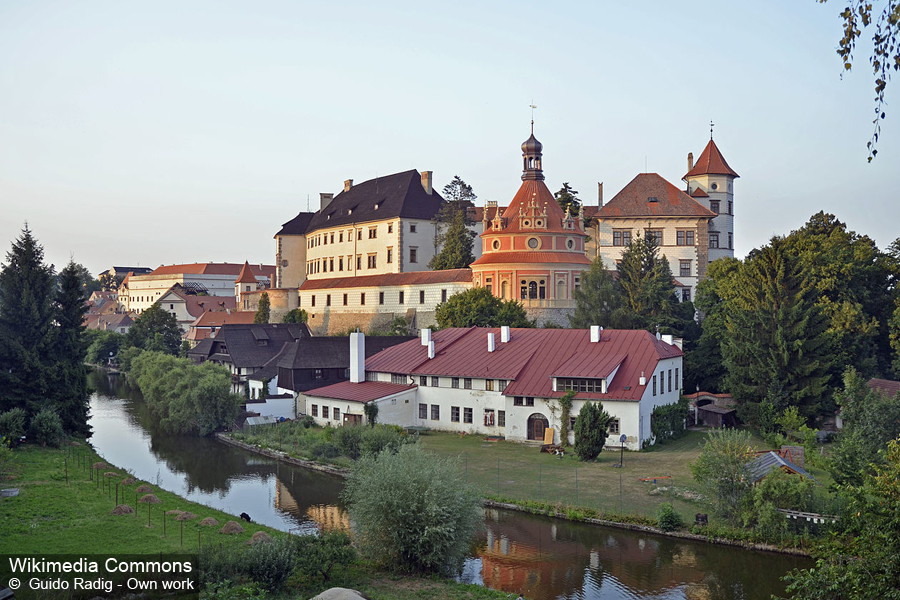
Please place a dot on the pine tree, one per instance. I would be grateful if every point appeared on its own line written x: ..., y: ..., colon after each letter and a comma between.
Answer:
x: 646, y: 282
x: 591, y: 430
x: 26, y: 327
x: 567, y: 198
x: 599, y: 300
x: 263, y: 312
x: 775, y: 334
x: 451, y: 224
x: 70, y: 348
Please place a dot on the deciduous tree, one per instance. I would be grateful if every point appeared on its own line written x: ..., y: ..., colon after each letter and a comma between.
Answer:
x: 296, y: 315
x: 155, y: 329
x: 480, y: 308
x: 721, y: 471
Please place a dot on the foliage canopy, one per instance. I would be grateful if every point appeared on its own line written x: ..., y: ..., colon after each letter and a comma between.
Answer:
x: 480, y: 308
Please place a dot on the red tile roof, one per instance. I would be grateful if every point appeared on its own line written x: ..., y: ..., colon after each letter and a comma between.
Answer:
x: 532, y: 357
x: 711, y: 162
x: 233, y: 269
x: 530, y: 258
x: 391, y: 279
x: 699, y: 193
x: 364, y: 391
x: 537, y: 191
x: 885, y: 386
x: 246, y: 275
x: 634, y: 200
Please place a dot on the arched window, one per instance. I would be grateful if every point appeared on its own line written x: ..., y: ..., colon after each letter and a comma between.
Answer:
x: 532, y: 290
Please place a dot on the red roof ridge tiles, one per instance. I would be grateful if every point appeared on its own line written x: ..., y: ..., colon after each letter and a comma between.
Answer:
x: 711, y: 162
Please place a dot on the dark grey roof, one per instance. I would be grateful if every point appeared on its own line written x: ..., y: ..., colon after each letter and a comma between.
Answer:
x: 397, y: 195
x: 297, y: 225
x: 331, y: 352
x: 239, y: 344
x: 765, y: 463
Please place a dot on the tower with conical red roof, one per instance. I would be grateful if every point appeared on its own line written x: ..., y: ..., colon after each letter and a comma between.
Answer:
x: 534, y: 251
x: 710, y: 181
x: 246, y: 282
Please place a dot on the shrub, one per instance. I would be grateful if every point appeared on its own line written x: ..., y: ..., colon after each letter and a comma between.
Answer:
x: 384, y: 437
x: 221, y: 564
x: 668, y: 421
x: 12, y: 423
x: 349, y: 439
x: 590, y: 430
x: 271, y: 563
x: 411, y: 511
x: 667, y: 518
x: 46, y: 428
x: 318, y: 555
x: 325, y: 450
x: 721, y: 471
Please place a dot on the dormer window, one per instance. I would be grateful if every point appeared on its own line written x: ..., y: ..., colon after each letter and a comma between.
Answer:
x: 652, y: 199
x: 593, y: 386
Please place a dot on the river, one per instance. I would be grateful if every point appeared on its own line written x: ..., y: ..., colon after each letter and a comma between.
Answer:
x: 544, y: 558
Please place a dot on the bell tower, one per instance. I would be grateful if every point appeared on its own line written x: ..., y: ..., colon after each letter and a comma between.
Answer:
x: 531, y: 158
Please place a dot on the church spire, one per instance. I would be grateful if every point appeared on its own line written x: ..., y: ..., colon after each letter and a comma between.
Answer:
x: 531, y: 156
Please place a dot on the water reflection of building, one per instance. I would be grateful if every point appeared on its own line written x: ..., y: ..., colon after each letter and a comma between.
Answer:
x: 326, y: 516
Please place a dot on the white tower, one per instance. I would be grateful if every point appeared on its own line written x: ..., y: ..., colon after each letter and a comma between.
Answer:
x: 711, y: 183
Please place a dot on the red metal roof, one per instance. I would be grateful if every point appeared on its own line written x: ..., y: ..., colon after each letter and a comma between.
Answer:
x: 232, y: 269
x: 532, y: 258
x: 711, y: 162
x: 364, y: 391
x: 532, y: 357
x: 389, y: 279
x: 649, y: 195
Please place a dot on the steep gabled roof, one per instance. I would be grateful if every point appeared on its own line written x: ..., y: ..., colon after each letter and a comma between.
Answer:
x: 765, y: 463
x: 648, y: 195
x: 246, y: 275
x: 331, y: 352
x: 533, y: 357
x: 391, y: 196
x: 711, y: 162
x: 238, y: 345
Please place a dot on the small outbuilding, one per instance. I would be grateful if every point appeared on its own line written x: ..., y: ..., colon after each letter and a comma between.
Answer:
x: 766, y: 463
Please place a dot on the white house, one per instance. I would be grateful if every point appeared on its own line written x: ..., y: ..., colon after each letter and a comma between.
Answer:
x: 507, y: 382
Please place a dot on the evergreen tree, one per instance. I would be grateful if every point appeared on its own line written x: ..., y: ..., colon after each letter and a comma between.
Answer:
x: 263, y: 312
x: 646, y: 282
x: 567, y: 198
x: 296, y: 315
x: 591, y: 430
x: 599, y: 300
x: 775, y: 334
x: 26, y: 327
x: 451, y: 224
x: 157, y: 330
x: 480, y: 308
x: 70, y: 348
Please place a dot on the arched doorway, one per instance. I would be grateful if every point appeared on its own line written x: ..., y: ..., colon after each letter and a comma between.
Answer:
x: 537, y: 423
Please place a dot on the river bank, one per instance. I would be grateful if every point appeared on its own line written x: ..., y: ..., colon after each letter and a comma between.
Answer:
x: 557, y: 510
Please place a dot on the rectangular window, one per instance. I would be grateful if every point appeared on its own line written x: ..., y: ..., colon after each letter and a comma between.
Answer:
x: 340, y: 263
x: 315, y: 410
x: 413, y: 255
x: 621, y: 237
x: 435, y: 381
x: 467, y: 415
x: 327, y: 299
x: 312, y: 300
x: 390, y: 255
x: 331, y: 265
x: 390, y: 228
x: 489, y: 385
x: 730, y: 207
x: 435, y: 412
x: 685, y: 294
x: 613, y: 427
x: 373, y: 233
x: 730, y: 240
x: 332, y: 237
x: 684, y: 238
x: 518, y: 401
x: 656, y: 235
x: 713, y: 240
x: 684, y: 268
x: 345, y: 299
x: 359, y: 262
x: 336, y: 414
x: 501, y: 418
x: 423, y: 380
x: 654, y: 385
x: 714, y: 206
x: 399, y: 379
x: 443, y: 295
x: 489, y: 417
x: 370, y: 375
x: 454, y: 414
x: 529, y: 401
x: 421, y: 296
x: 670, y: 380
x: 503, y: 383
x: 676, y: 378
x: 324, y: 412
x: 400, y: 297
x: 423, y: 411
x: 412, y: 227
x: 370, y: 261
x: 467, y: 383
x: 362, y: 299
x: 454, y: 383
x: 380, y: 297
x: 317, y: 373
x: 340, y: 236
x: 359, y: 234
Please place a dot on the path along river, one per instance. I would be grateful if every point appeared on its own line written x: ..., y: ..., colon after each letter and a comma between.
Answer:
x: 544, y: 558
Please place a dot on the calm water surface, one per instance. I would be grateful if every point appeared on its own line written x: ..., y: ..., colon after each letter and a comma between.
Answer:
x: 544, y: 558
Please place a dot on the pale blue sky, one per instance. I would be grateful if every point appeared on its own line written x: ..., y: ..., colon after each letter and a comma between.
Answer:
x: 154, y: 133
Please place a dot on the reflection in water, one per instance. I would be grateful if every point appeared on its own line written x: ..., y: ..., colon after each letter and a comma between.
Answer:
x: 545, y: 558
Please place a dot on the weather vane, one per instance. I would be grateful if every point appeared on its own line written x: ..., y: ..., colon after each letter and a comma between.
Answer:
x: 711, y: 125
x: 532, y: 106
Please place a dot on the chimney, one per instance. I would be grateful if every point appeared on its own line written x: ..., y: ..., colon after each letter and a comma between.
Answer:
x: 643, y: 380
x: 426, y: 337
x: 490, y: 342
x: 426, y: 181
x: 669, y: 339
x: 504, y: 334
x: 348, y: 183
x: 357, y: 357
x: 690, y: 161
x: 325, y: 199
x: 595, y: 334
x: 600, y: 194
x: 430, y: 349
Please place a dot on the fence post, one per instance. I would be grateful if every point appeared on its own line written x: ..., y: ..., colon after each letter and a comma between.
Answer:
x: 576, y: 485
x: 498, y: 476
